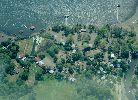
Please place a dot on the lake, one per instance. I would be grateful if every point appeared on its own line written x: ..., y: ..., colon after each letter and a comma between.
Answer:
x: 17, y: 15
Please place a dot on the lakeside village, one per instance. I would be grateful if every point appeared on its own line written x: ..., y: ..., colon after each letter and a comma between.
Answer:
x: 65, y: 52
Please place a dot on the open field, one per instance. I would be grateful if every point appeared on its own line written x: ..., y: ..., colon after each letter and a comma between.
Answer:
x: 52, y: 90
x: 26, y: 46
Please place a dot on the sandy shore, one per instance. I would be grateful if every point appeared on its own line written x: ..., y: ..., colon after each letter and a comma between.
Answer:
x: 132, y: 23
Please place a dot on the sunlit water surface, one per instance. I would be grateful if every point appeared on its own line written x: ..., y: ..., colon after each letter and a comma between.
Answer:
x: 16, y: 15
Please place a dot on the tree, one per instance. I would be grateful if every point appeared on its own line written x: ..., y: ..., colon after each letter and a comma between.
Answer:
x: 134, y: 55
x: 124, y: 66
x: 53, y: 50
x: 131, y: 34
x: 59, y: 76
x: 51, y: 53
x: 86, y: 38
x: 88, y: 74
x: 5, y: 43
x: 125, y: 54
x: 87, y: 49
x: 68, y: 30
x: 71, y: 71
x: 59, y: 67
x: 63, y: 60
x: 39, y: 76
x: 10, y: 69
x: 13, y: 48
x: 56, y: 28
x: 99, y: 57
x: 79, y: 38
x: 38, y: 73
x: 24, y: 75
x: 136, y: 71
x: 77, y: 56
x: 134, y: 83
x: 117, y: 32
x: 91, y: 28
x: 13, y: 55
x: 68, y: 43
x: 97, y: 41
x: 135, y: 47
x: 103, y: 44
x: 77, y: 28
x: 42, y: 56
x: 125, y: 51
x: 103, y: 32
x: 48, y: 36
x: 55, y: 59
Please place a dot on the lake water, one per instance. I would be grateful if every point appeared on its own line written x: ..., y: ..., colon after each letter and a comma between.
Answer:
x: 16, y: 15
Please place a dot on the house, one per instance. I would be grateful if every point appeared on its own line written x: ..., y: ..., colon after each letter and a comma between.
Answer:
x: 37, y: 59
x: 72, y: 79
x: 101, y: 69
x: 111, y: 65
x: 83, y: 30
x: 21, y: 56
x: 90, y: 45
x: 102, y: 78
x: 51, y: 71
x: 40, y: 63
x: 23, y: 59
x: 119, y: 60
x: 4, y: 47
x: 73, y: 46
x: 112, y: 55
x: 74, y: 51
x: 63, y: 42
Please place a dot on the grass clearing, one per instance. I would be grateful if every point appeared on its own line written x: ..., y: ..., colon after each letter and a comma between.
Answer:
x: 26, y: 46
x: 53, y: 90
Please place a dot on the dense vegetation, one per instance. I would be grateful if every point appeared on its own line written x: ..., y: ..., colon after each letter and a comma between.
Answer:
x: 74, y: 52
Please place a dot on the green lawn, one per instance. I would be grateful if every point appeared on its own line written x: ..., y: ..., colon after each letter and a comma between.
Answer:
x: 52, y: 90
x: 25, y: 45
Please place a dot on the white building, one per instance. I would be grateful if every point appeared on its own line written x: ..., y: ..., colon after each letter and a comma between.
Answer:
x: 41, y: 63
x: 112, y: 55
x: 74, y: 51
x: 72, y: 79
x: 51, y: 71
x: 23, y: 59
